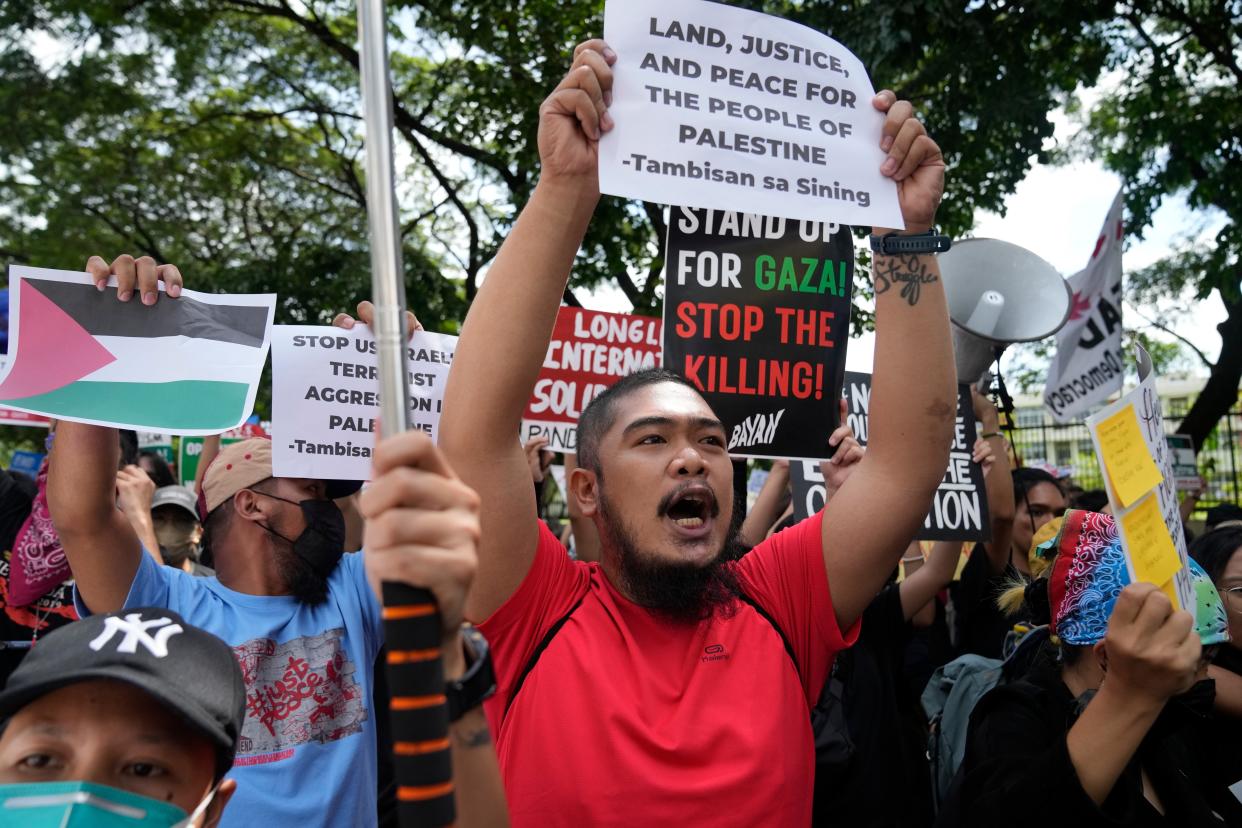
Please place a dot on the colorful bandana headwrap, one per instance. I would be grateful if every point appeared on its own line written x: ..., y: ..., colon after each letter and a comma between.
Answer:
x: 1091, y: 572
x: 1211, y: 623
x: 1086, y: 579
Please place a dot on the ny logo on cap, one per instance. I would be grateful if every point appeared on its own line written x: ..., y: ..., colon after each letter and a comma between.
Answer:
x: 135, y: 630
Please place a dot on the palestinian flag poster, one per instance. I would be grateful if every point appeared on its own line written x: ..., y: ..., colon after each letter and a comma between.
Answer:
x: 189, y: 365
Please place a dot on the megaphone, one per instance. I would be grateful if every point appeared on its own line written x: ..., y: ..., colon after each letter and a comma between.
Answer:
x: 999, y: 293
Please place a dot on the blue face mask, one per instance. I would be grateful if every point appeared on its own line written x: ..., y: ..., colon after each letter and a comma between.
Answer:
x: 87, y: 805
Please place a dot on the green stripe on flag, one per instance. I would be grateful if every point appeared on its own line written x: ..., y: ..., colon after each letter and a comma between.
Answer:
x: 184, y: 404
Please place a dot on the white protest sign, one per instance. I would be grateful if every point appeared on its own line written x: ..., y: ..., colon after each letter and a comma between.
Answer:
x: 720, y: 107
x: 1145, y: 521
x: 1089, y: 362
x: 325, y: 397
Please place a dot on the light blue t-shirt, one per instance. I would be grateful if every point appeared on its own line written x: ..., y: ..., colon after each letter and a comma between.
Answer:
x: 307, y: 751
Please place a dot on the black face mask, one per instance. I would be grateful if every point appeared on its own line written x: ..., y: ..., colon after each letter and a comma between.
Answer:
x: 322, y: 542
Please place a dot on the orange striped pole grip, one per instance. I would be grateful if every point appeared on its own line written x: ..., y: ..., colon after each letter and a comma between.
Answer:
x: 417, y: 709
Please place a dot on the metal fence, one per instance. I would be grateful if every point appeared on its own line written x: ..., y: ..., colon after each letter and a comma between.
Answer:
x: 1068, y: 447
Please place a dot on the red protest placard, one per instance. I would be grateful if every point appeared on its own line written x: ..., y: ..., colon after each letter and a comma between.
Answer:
x: 590, y: 350
x: 22, y: 418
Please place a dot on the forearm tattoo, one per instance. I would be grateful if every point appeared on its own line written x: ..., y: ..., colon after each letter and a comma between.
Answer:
x: 910, y: 271
x: 468, y: 737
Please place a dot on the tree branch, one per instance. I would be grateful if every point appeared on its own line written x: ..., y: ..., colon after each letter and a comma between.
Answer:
x: 1214, y: 36
x: 1166, y: 329
x: 403, y: 118
x: 123, y: 232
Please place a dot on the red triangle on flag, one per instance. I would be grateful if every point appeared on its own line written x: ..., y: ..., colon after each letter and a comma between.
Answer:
x: 52, y: 349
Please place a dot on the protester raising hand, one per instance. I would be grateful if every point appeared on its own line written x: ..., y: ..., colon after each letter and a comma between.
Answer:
x: 538, y: 457
x: 134, y: 492
x: 914, y: 162
x: 574, y: 117
x: 423, y: 529
x: 1151, y: 650
x: 838, y: 468
x: 366, y: 315
x: 140, y: 276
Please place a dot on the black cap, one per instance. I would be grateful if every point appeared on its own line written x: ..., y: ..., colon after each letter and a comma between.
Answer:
x: 188, y: 670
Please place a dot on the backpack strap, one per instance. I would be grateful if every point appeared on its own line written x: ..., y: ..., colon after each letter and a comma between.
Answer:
x: 742, y: 596
x: 534, y: 657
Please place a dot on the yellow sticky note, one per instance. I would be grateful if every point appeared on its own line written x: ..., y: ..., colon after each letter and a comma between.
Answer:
x: 1170, y: 589
x: 1151, y: 549
x: 1129, y: 464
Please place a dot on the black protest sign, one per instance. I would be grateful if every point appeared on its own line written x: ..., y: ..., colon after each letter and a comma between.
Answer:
x: 809, y: 492
x: 756, y: 315
x: 959, y: 509
x: 806, y: 479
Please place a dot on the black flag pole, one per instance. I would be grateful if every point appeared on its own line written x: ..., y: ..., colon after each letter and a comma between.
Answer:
x: 417, y: 711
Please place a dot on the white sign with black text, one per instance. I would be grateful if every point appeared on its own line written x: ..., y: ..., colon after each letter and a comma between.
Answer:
x: 325, y: 397
x: 725, y: 108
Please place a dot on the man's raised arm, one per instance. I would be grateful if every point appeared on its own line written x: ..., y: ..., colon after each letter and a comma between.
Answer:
x: 99, y: 542
x: 913, y: 391
x: 506, y: 334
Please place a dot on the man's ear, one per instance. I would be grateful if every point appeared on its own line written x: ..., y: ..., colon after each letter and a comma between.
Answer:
x: 584, y: 487
x: 211, y: 817
x: 248, y: 505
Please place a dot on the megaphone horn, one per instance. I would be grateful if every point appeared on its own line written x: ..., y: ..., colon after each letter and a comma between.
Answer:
x: 999, y: 293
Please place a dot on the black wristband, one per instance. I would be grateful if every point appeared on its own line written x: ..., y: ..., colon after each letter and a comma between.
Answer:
x: 478, y: 683
x: 894, y: 244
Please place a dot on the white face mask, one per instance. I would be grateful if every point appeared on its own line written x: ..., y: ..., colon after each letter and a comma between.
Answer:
x: 200, y: 808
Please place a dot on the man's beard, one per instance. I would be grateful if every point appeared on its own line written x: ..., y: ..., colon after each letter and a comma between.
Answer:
x: 302, y: 581
x: 681, y: 591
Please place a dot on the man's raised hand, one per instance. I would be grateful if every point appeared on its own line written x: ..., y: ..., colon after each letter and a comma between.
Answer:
x: 139, y: 275
x: 538, y: 457
x: 134, y: 491
x: 849, y: 453
x: 574, y: 117
x: 914, y: 162
x: 422, y: 527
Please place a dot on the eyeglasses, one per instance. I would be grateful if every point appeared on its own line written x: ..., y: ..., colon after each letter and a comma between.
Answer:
x: 1234, y: 595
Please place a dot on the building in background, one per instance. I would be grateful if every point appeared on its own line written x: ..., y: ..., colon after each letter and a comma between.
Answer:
x: 1067, y: 449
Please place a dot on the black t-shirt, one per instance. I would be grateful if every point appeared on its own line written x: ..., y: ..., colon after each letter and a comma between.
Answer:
x: 979, y: 624
x: 55, y: 609
x: 1227, y: 737
x: 887, y: 780
x: 1017, y: 771
x: 929, y: 648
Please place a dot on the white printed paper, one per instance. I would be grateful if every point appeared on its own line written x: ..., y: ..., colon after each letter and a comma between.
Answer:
x: 720, y: 107
x: 325, y: 397
x: 1147, y: 406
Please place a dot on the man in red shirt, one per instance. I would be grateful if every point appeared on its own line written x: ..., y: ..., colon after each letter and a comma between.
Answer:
x: 659, y: 696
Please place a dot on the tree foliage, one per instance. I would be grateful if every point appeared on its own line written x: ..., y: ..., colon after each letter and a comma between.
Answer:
x: 223, y: 134
x: 1169, y: 125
